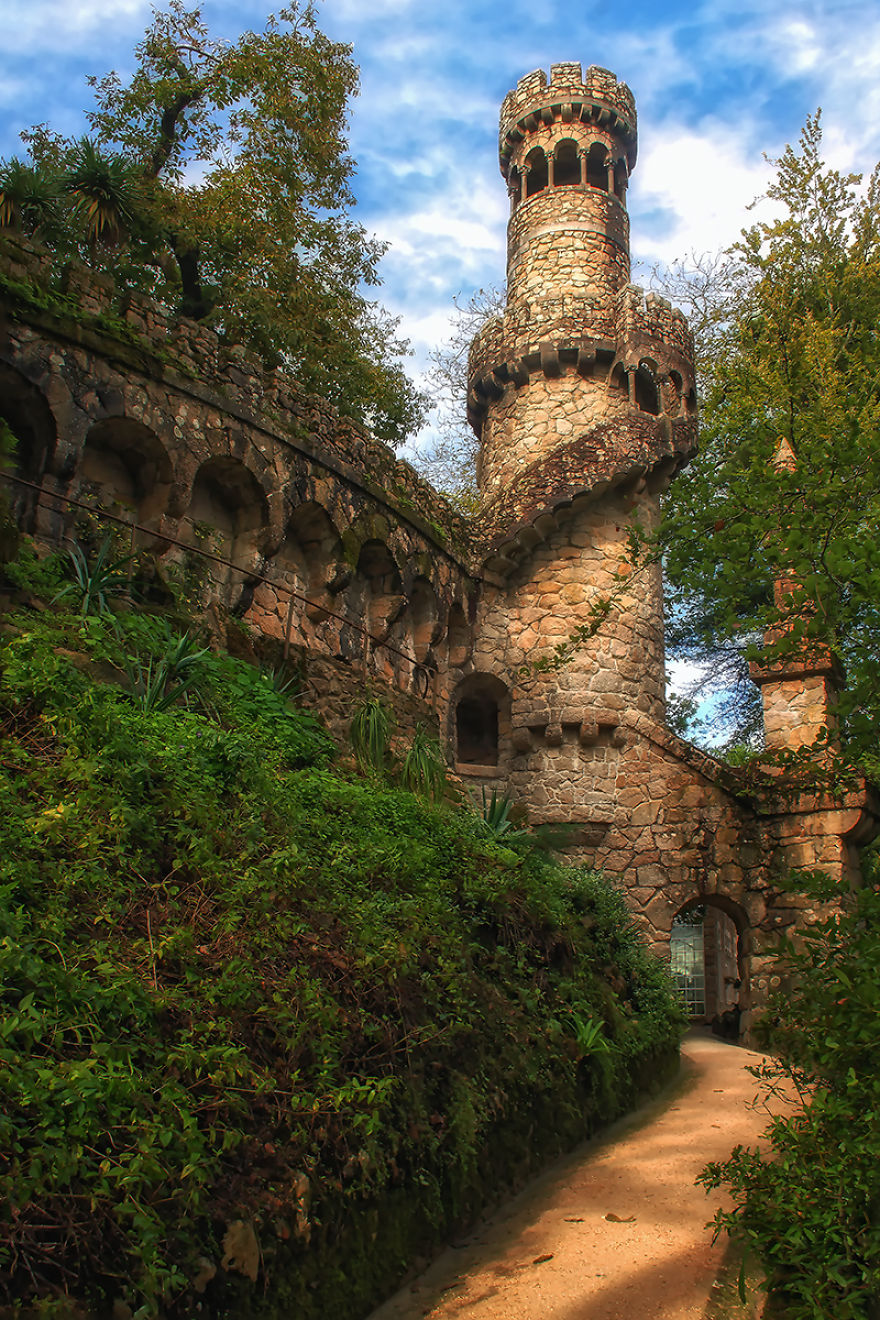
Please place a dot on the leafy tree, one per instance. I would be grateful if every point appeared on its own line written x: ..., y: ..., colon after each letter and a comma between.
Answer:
x: 810, y: 1210
x: 218, y: 180
x: 790, y: 370
x: 450, y: 460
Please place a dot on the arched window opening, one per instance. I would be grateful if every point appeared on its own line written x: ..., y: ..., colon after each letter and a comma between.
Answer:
x: 621, y: 180
x: 617, y: 382
x: 424, y: 613
x: 125, y: 463
x: 536, y: 166
x: 567, y: 166
x: 476, y: 730
x: 597, y: 166
x: 690, y: 401
x: 708, y: 959
x: 676, y: 390
x: 481, y: 720
x: 458, y: 636
x: 647, y: 396
x: 28, y: 416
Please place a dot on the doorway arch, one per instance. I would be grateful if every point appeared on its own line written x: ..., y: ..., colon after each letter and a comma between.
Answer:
x: 709, y: 946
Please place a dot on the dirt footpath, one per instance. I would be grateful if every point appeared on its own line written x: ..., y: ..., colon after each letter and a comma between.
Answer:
x: 616, y: 1230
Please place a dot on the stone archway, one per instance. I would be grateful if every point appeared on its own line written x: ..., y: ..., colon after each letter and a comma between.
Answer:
x: 124, y: 466
x: 710, y: 947
x: 479, y: 728
x: 25, y: 413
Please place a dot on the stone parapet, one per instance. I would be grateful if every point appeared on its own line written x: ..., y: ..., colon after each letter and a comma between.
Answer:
x: 583, y: 322
x: 646, y: 452
x: 81, y: 307
x: 643, y: 315
x: 592, y: 97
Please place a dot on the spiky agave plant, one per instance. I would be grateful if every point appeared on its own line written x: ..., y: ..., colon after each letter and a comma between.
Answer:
x: 96, y: 579
x: 161, y: 682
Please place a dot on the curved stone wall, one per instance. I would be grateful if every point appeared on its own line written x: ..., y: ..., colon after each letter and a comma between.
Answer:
x: 336, y: 545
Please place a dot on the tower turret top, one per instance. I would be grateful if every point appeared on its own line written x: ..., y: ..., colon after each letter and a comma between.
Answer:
x: 594, y: 97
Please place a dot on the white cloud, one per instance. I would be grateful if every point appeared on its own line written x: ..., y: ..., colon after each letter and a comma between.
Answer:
x: 702, y: 182
x: 682, y: 677
x: 12, y: 90
x: 353, y: 11
x: 58, y: 25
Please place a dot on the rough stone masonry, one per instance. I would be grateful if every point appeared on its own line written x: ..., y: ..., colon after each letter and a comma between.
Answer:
x: 583, y: 398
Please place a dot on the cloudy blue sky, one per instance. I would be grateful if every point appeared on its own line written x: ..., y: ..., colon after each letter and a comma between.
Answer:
x: 717, y: 85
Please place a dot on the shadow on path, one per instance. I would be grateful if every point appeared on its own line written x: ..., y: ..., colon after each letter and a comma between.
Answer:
x: 616, y: 1230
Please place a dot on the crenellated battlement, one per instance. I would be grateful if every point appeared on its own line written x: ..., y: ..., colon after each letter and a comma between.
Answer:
x: 649, y: 316
x: 624, y: 360
x: 595, y: 97
x: 272, y: 511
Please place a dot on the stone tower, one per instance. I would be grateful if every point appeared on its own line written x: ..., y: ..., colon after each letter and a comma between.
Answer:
x: 582, y: 396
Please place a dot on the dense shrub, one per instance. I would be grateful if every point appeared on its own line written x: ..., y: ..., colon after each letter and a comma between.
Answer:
x: 808, y: 1203
x: 247, y: 998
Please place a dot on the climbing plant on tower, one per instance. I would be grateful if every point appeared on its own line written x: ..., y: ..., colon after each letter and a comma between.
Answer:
x: 217, y: 179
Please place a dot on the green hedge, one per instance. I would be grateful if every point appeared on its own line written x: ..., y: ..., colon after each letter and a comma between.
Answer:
x: 242, y: 985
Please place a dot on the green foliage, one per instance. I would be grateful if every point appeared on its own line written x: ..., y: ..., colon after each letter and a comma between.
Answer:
x: 216, y: 179
x: 589, y: 1035
x: 94, y: 580
x: 235, y: 985
x: 424, y: 766
x: 807, y: 1200
x: 106, y: 192
x: 9, y: 535
x: 29, y: 199
x: 40, y: 575
x: 370, y: 735
x: 161, y: 682
x: 787, y: 484
x: 496, y: 817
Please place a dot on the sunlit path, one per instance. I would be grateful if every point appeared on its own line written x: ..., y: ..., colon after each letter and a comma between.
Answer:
x: 616, y: 1231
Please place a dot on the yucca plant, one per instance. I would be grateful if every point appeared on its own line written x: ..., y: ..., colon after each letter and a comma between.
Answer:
x: 496, y: 818
x: 106, y: 192
x: 424, y: 766
x: 498, y: 822
x: 160, y: 683
x: 28, y: 198
x: 285, y: 683
x: 370, y: 734
x: 96, y: 580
